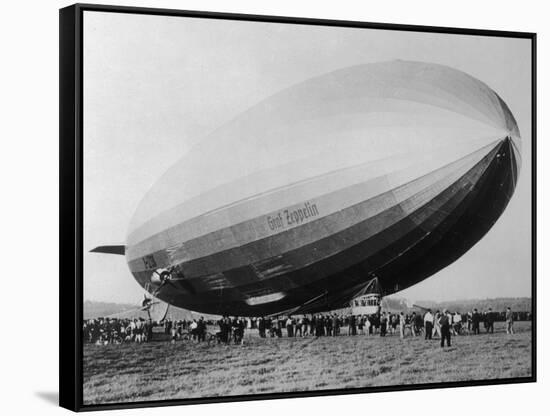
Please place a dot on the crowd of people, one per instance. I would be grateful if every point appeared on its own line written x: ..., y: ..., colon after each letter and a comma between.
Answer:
x: 442, y: 324
x: 105, y: 331
x: 193, y: 329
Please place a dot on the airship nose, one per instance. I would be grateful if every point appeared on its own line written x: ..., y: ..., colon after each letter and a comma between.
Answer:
x: 515, y: 146
x: 511, y: 151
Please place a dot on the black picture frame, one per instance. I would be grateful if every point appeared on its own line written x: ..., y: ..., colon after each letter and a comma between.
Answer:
x: 71, y: 200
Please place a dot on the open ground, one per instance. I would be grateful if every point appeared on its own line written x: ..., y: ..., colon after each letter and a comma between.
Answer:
x: 160, y: 370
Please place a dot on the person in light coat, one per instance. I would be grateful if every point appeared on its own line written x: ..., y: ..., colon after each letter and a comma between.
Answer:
x: 428, y: 324
x: 402, y: 325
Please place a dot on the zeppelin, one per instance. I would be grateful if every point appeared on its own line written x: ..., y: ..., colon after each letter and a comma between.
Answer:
x: 384, y: 172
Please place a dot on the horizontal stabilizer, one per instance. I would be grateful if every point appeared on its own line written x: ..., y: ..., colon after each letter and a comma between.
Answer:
x: 121, y: 250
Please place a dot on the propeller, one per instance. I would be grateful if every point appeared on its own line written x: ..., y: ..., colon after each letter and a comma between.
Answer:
x: 164, y: 277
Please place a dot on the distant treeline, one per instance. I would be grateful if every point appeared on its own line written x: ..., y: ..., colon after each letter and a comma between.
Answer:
x: 93, y: 309
x: 497, y: 305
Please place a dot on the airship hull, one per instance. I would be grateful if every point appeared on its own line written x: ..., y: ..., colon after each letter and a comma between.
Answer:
x: 308, y: 234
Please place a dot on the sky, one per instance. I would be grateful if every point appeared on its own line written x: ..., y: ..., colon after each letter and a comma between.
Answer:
x: 154, y: 86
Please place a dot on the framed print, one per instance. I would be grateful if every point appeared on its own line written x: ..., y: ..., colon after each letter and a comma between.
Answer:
x: 257, y: 207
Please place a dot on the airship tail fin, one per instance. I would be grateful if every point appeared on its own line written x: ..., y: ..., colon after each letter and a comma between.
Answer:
x: 120, y: 250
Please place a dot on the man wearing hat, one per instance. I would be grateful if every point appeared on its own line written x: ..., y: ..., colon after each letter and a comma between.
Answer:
x: 445, y: 324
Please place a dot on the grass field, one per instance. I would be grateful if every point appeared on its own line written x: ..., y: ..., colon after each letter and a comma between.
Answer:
x: 160, y: 370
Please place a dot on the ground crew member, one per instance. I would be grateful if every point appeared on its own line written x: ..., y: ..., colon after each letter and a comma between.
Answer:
x: 428, y: 324
x: 445, y: 324
x: 509, y: 321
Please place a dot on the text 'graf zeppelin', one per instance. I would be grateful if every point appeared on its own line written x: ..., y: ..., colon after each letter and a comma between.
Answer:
x: 292, y: 216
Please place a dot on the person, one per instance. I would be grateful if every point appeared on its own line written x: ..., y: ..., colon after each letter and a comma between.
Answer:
x: 509, y: 321
x: 167, y: 326
x: 241, y: 328
x: 299, y: 325
x: 319, y: 326
x: 227, y: 326
x: 272, y: 326
x: 86, y: 331
x: 484, y: 320
x: 352, y: 325
x: 289, y: 328
x: 360, y: 325
x: 428, y: 324
x: 437, y: 327
x: 490, y: 319
x: 475, y: 321
x: 235, y: 329
x: 414, y: 327
x: 280, y: 325
x: 193, y: 329
x: 133, y: 328
x: 394, y: 321
x: 419, y: 324
x: 402, y: 325
x: 445, y: 325
x: 128, y: 333
x: 376, y: 322
x: 328, y: 326
x: 149, y: 330
x: 457, y: 323
x: 261, y: 327
x: 201, y: 329
x: 139, y: 331
x: 173, y: 333
x: 368, y: 329
x: 383, y: 324
x: 371, y: 324
x: 305, y: 326
x: 335, y: 325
